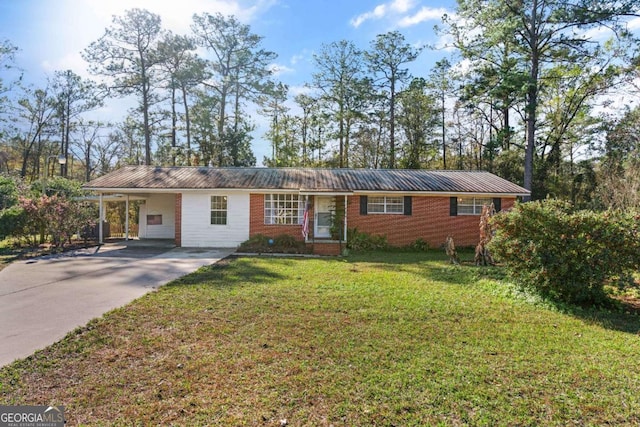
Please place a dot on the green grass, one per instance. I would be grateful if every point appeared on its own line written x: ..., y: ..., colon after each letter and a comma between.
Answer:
x: 8, y: 253
x: 379, y: 339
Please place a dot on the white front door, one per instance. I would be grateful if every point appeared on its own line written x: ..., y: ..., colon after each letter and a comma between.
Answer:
x: 323, y: 212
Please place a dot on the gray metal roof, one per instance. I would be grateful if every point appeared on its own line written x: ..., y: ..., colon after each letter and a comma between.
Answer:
x: 304, y: 180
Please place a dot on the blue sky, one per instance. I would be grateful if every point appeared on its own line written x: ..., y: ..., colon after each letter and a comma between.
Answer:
x: 51, y: 34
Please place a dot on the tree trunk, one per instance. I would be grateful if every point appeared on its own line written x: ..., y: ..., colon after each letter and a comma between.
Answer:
x: 392, y: 124
x: 532, y: 101
x: 187, y: 124
x: 174, y: 123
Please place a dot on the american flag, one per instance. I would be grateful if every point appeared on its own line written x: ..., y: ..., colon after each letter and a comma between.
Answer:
x: 305, y: 221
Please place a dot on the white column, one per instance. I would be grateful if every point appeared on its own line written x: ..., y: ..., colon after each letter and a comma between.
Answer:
x: 345, y: 219
x: 100, y: 230
x: 126, y: 220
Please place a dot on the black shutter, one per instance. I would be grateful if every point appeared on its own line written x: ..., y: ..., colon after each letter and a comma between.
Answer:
x: 407, y: 205
x: 497, y: 204
x: 453, y: 206
x: 363, y: 205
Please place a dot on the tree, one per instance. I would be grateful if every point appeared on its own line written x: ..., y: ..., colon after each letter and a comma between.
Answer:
x: 73, y: 96
x: 204, y: 128
x: 34, y: 119
x: 126, y: 54
x: 7, y: 56
x: 619, y: 177
x: 340, y: 79
x: 441, y: 87
x: 542, y: 33
x: 274, y: 108
x: 183, y: 71
x: 239, y: 68
x: 385, y: 58
x: 309, y: 106
x: 418, y: 116
x: 88, y: 141
x: 237, y: 143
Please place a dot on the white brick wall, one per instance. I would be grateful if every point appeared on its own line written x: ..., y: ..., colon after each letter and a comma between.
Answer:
x: 197, y: 230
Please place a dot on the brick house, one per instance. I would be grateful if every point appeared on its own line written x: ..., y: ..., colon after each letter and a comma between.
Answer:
x: 223, y: 207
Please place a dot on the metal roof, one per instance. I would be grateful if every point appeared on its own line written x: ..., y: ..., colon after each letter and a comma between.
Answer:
x: 134, y: 178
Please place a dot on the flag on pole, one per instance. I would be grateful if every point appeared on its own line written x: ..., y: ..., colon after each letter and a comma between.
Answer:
x: 305, y: 221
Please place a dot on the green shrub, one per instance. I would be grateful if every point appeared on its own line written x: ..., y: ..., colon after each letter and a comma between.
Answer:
x: 283, y: 243
x: 12, y: 222
x: 565, y: 254
x: 286, y: 241
x: 8, y: 192
x: 358, y: 241
x: 419, y: 245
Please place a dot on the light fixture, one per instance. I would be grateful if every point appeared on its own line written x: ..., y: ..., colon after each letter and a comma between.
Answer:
x: 62, y: 160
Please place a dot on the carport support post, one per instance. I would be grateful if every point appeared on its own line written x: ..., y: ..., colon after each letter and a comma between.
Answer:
x: 100, y: 231
x: 344, y: 218
x: 126, y: 220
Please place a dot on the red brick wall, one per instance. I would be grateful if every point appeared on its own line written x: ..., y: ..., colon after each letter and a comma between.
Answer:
x: 257, y: 225
x: 322, y: 248
x: 178, y: 232
x: 430, y: 221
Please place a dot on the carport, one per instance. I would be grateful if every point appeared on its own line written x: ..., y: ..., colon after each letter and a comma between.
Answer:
x: 157, y: 218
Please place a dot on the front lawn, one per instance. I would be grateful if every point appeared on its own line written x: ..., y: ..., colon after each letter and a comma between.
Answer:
x: 383, y: 339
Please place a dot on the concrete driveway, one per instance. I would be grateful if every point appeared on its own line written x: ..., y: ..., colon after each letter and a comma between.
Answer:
x: 43, y: 299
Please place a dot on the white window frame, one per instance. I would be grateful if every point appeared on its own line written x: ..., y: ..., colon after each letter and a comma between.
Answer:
x: 391, y: 205
x: 472, y: 205
x: 283, y: 209
x: 224, y: 207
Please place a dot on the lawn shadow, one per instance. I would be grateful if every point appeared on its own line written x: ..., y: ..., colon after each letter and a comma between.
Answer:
x: 227, y: 272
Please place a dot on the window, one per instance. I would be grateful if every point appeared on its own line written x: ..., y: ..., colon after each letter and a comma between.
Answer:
x: 283, y: 209
x: 472, y: 205
x: 385, y: 205
x: 154, y: 219
x: 218, y: 210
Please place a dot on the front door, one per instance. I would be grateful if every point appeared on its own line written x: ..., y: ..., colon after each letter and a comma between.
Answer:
x: 323, y: 216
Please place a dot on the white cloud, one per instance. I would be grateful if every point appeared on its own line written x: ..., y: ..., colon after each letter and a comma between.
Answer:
x: 303, y: 56
x: 300, y: 90
x: 402, y: 6
x: 176, y: 15
x: 634, y: 24
x: 71, y: 61
x: 424, y: 14
x: 383, y: 10
x: 296, y: 58
x: 603, y: 33
x: 279, y: 69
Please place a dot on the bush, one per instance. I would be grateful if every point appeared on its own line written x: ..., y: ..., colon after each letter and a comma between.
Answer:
x: 12, y: 222
x: 8, y: 192
x: 358, y: 241
x: 282, y: 243
x: 56, y: 218
x: 419, y: 245
x: 565, y: 254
